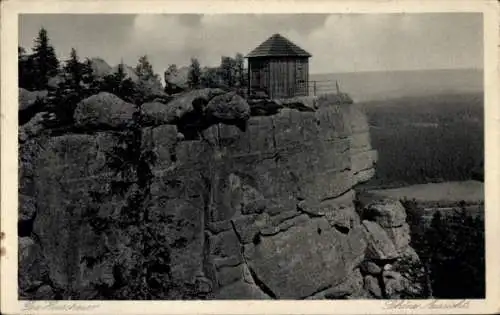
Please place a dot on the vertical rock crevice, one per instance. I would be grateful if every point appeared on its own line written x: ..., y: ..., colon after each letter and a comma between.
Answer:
x: 255, y: 278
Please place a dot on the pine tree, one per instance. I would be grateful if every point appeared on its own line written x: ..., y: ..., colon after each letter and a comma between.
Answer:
x: 457, y: 255
x: 90, y: 82
x: 74, y: 72
x: 226, y: 71
x: 120, y: 72
x: 149, y: 84
x: 144, y: 69
x: 118, y: 84
x: 194, y: 75
x: 45, y: 61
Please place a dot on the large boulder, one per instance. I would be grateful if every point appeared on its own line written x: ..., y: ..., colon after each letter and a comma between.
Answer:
x: 193, y: 101
x: 100, y: 68
x: 228, y: 108
x: 176, y: 80
x: 387, y: 213
x: 104, y: 110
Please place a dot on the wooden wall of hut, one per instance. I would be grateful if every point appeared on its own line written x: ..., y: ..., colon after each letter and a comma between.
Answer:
x: 279, y: 77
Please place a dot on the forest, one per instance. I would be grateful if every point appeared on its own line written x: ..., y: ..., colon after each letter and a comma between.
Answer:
x: 452, y: 251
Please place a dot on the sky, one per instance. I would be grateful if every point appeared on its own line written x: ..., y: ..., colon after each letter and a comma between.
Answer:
x: 337, y: 42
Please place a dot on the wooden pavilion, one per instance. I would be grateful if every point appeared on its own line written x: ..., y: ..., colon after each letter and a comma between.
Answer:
x: 278, y: 68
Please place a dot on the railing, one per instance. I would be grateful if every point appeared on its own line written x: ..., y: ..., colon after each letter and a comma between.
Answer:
x: 316, y: 87
x: 323, y: 87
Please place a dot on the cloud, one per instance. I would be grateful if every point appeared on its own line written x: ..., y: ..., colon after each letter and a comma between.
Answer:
x: 396, y: 41
x: 338, y: 42
x: 213, y: 36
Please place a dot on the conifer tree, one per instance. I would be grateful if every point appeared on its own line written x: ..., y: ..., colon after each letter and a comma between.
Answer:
x: 194, y: 75
x: 149, y: 82
x: 144, y: 69
x: 73, y: 70
x: 45, y: 61
x: 90, y: 81
x: 226, y: 71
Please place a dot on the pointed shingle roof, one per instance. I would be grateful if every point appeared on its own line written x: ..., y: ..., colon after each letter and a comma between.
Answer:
x: 278, y: 46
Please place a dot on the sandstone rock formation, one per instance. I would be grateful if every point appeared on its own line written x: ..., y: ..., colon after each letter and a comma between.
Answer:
x: 264, y: 213
x: 390, y: 263
x: 100, y: 67
x: 103, y: 110
x: 176, y: 81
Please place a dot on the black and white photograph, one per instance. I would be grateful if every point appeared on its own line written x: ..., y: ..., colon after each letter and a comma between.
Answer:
x: 251, y: 156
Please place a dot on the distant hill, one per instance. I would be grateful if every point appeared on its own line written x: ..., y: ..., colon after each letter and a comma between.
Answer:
x: 381, y: 85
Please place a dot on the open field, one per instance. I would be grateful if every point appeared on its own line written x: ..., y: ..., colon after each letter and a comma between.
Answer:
x: 443, y: 195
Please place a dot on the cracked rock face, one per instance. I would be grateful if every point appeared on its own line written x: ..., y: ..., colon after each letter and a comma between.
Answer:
x: 281, y: 260
x: 261, y: 213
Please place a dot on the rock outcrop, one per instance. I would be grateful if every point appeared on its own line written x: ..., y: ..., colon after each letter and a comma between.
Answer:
x: 104, y: 110
x: 262, y: 213
x: 176, y: 81
x: 390, y: 263
x: 100, y: 67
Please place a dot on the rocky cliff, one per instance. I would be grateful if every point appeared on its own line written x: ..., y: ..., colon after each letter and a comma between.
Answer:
x: 249, y: 207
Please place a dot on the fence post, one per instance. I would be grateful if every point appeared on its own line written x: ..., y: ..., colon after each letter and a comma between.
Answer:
x: 314, y: 88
